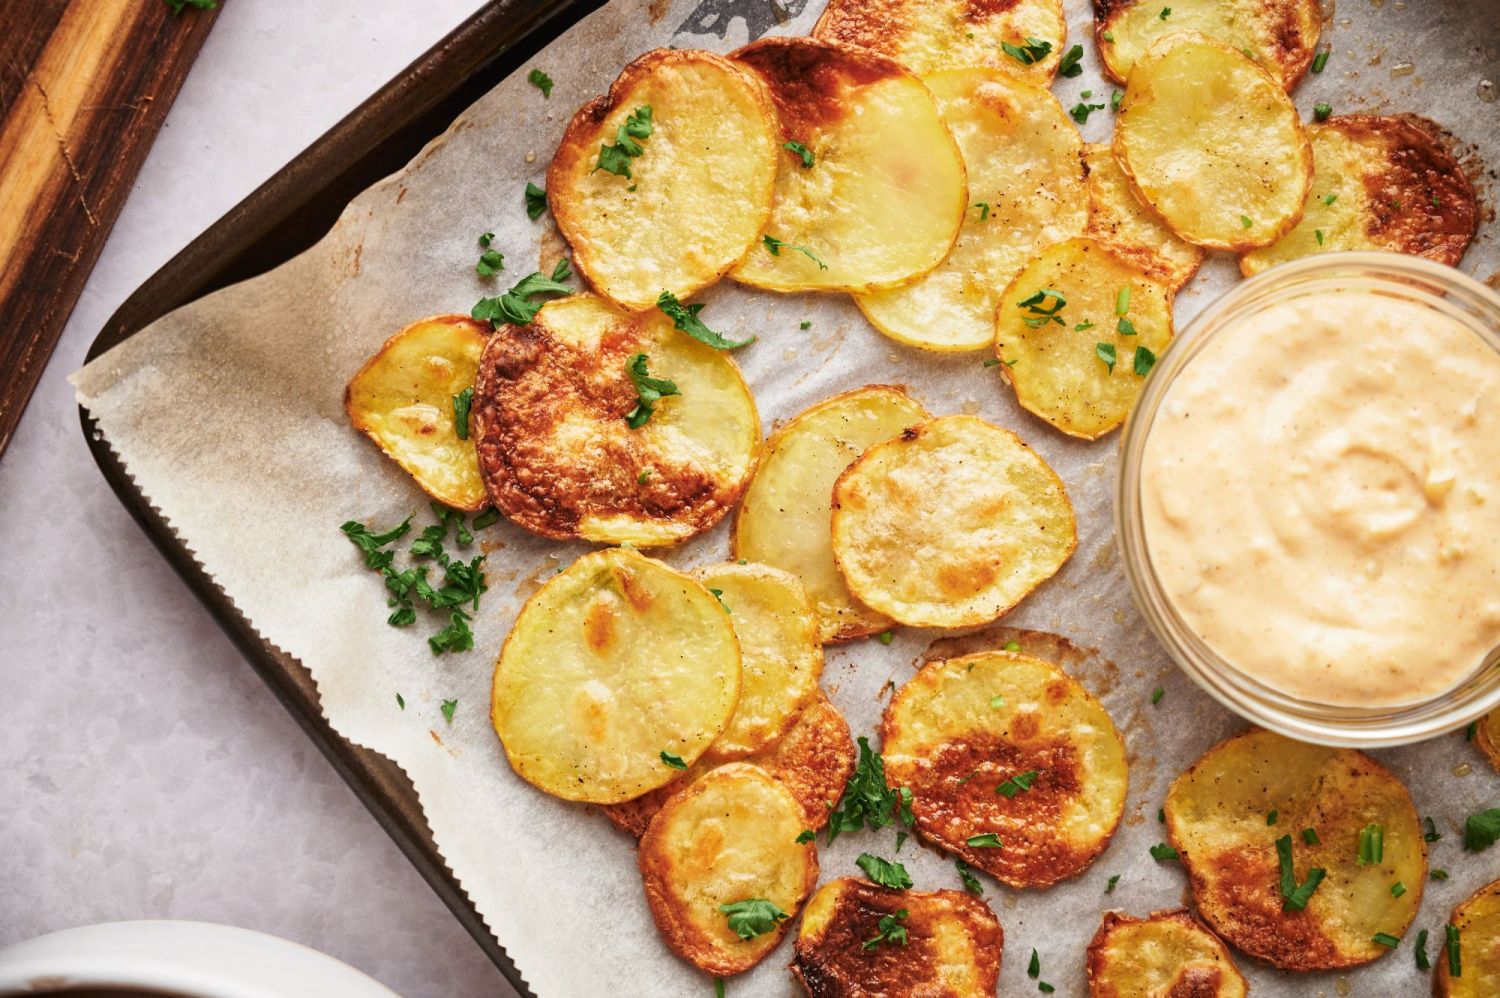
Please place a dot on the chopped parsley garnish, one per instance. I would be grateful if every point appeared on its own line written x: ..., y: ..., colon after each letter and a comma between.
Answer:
x: 1320, y: 60
x: 1310, y: 836
x: 488, y: 518
x: 992, y: 362
x: 1371, y: 845
x: 1106, y: 353
x: 1034, y: 50
x: 888, y: 930
x: 1122, y: 300
x: 987, y: 840
x: 1040, y: 313
x: 371, y: 543
x: 719, y: 595
x: 485, y: 238
x: 801, y: 151
x: 1034, y: 968
x: 1386, y: 939
x: 1295, y: 896
x: 455, y: 637
x: 400, y: 701
x: 643, y: 477
x: 675, y: 761
x: 1398, y: 889
x: 1044, y: 987
x: 1085, y: 324
x: 1451, y: 948
x: 1017, y: 784
x: 1109, y: 36
x: 997, y: 701
x: 1430, y: 832
x: 971, y: 882
x: 805, y: 324
x: 1011, y: 646
x: 685, y: 318
x: 1321, y: 111
x: 1080, y: 112
x: 752, y: 917
x: 1421, y: 951
x: 867, y: 800
x: 1440, y: 874
x: 805, y: 836
x: 1271, y: 818
x: 1143, y: 362
x: 648, y: 391
x: 884, y: 872
x: 1072, y: 63
x: 463, y: 582
x: 1115, y: 98
x: 1161, y: 816
x: 1162, y: 852
x: 616, y: 158
x: 536, y: 201
x: 774, y: 246
x: 515, y: 306
x: 178, y: 6
x: 1109, y: 888
x: 901, y: 838
x: 462, y: 402
x: 541, y: 81
x: 1318, y: 235
x: 718, y: 987
x: 448, y: 707
x: 1330, y: 198
x: 1245, y: 221
x: 984, y: 209
x: 1166, y: 12
x: 491, y: 262
x: 885, y: 637
x: 1124, y: 326
x: 1482, y: 830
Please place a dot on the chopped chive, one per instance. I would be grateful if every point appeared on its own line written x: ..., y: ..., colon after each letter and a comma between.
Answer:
x: 1109, y: 888
x: 992, y: 362
x: 997, y: 702
x: 1398, y: 889
x: 1469, y: 731
x: 1016, y: 784
x: 1386, y: 939
x: 1034, y: 968
x: 1245, y: 221
x: 805, y: 324
x: 1011, y: 646
x: 1451, y: 947
x: 1271, y: 818
x: 885, y: 637
x: 1115, y: 98
x: 1330, y: 198
x: 1440, y: 874
x: 1122, y: 301
x: 1319, y: 61
x: 1421, y: 951
x: 1318, y: 235
x: 1044, y: 987
x: 1156, y: 695
x: 1310, y: 836
x: 1371, y: 845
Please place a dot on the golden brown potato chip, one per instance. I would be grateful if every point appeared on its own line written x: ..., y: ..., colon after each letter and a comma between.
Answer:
x: 1025, y: 191
x: 1281, y: 35
x: 850, y: 943
x: 926, y: 36
x: 951, y: 523
x: 403, y: 399
x: 1324, y: 801
x: 559, y: 456
x: 1129, y: 229
x: 728, y: 840
x: 691, y: 204
x: 1487, y: 737
x: 1380, y: 182
x: 1077, y: 331
x: 784, y: 519
x: 1013, y: 766
x: 781, y: 656
x: 615, y: 664
x: 814, y: 760
x: 1169, y: 955
x: 883, y: 198
x: 1213, y: 144
x: 1477, y: 920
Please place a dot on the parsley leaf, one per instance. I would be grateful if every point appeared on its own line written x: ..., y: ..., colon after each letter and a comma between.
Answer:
x: 455, y: 637
x: 1115, y: 98
x: 1016, y: 784
x: 536, y: 201
x: 515, y: 306
x: 491, y: 262
x: 541, y: 81
x: 616, y: 158
x: 1106, y: 353
x: 1124, y: 326
x: 774, y: 245
x: 371, y: 543
x: 1321, y: 111
x: 1166, y: 12
x: 987, y: 840
x: 462, y: 402
x: 1310, y: 836
x: 1161, y: 852
x: 1034, y: 967
x: 1080, y: 112
x: 984, y: 209
x: 1071, y: 64
x: 752, y: 917
x: 1039, y: 312
x: 648, y: 391
x: 1482, y: 830
x: 971, y: 882
x: 449, y: 706
x: 488, y: 518
x: 1109, y: 888
x: 1430, y: 832
x: 805, y: 836
x: 400, y: 701
x: 800, y: 150
x: 685, y: 318
x: 884, y: 872
x: 889, y: 930
x: 1143, y: 362
x: 1035, y: 50
x: 867, y: 799
x: 675, y: 761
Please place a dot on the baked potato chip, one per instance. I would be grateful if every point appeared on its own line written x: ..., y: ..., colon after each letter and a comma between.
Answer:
x: 780, y: 654
x: 926, y: 36
x: 1002, y: 747
x: 1025, y: 191
x: 952, y: 945
x: 883, y: 198
x: 1487, y: 737
x: 1380, y: 182
x: 1170, y: 953
x: 1281, y: 35
x: 558, y: 454
x: 784, y: 520
x: 403, y: 400
x: 814, y: 760
x: 1213, y: 144
x: 1478, y: 923
x: 951, y: 523
x: 1128, y: 229
x: 1071, y: 355
x: 615, y: 664
x: 691, y: 204
x: 729, y: 838
x: 1218, y: 818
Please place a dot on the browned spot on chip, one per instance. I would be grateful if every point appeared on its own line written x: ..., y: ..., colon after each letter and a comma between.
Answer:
x: 968, y: 577
x: 808, y: 78
x: 1195, y: 982
x: 1421, y: 201
x: 599, y: 626
x: 983, y: 10
x: 1244, y: 889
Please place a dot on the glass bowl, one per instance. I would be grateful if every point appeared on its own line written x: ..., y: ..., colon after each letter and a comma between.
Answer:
x: 1423, y: 282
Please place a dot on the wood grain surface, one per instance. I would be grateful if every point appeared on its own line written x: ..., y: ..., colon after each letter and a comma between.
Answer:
x: 84, y: 87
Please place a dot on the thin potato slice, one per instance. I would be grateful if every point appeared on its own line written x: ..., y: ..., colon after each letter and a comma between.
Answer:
x: 884, y: 197
x: 1082, y: 367
x: 959, y: 734
x: 1380, y: 183
x: 1128, y: 229
x: 728, y: 838
x: 1281, y: 35
x: 1217, y: 817
x: 1213, y: 144
x: 926, y: 36
x: 1477, y: 920
x: 695, y: 198
x: 403, y: 400
x: 784, y: 520
x: 814, y: 760
x: 781, y: 656
x: 1487, y: 737
x: 951, y: 523
x: 1170, y: 953
x: 953, y: 943
x: 1025, y: 191
x: 557, y: 454
x: 612, y: 663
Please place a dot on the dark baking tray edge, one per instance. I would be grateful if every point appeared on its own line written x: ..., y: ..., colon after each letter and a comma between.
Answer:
x: 285, y: 215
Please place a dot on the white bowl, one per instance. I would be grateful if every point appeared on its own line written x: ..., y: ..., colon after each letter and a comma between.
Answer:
x: 195, y: 959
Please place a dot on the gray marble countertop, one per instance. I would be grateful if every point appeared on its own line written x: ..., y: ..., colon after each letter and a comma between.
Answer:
x: 145, y: 770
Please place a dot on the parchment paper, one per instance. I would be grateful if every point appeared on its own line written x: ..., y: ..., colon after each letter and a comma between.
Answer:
x: 228, y: 414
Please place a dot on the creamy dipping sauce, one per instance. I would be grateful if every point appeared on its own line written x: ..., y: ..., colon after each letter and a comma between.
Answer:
x: 1321, y: 498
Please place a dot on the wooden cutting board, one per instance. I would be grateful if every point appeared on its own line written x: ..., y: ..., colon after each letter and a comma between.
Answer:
x: 84, y: 87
